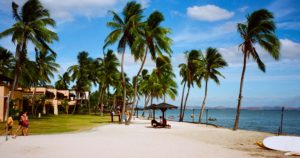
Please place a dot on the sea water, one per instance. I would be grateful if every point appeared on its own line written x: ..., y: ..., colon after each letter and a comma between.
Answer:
x: 257, y: 120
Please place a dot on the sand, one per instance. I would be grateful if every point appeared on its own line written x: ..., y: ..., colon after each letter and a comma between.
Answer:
x: 139, y: 140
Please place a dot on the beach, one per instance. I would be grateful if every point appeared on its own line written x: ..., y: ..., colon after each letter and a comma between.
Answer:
x: 139, y: 139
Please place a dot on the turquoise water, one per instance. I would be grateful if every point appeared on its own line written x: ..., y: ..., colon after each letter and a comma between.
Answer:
x: 257, y: 120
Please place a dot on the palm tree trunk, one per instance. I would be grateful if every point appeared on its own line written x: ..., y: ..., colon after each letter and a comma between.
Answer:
x: 124, y: 86
x: 147, y: 99
x: 203, y: 103
x: 107, y: 100
x: 135, y: 86
x: 101, y: 102
x: 100, y: 96
x: 114, y: 102
x: 33, y: 101
x: 181, y: 104
x: 16, y: 79
x: 186, y: 98
x: 237, y: 117
x: 150, y: 113
x: 77, y: 96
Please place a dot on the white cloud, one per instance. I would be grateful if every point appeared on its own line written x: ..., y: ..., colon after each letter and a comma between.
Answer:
x: 67, y: 10
x: 290, y: 50
x: 291, y: 25
x: 190, y: 35
x: 209, y: 13
x: 145, y: 3
x: 243, y: 9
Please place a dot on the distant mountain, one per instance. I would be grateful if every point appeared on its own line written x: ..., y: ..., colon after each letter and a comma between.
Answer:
x: 248, y: 107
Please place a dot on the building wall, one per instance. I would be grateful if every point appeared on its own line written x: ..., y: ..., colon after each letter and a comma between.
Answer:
x: 17, y: 96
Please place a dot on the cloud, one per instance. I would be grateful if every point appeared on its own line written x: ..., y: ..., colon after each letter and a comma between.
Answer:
x: 289, y: 25
x: 67, y: 10
x: 243, y: 9
x: 289, y: 51
x: 145, y: 3
x: 209, y: 13
x: 190, y: 35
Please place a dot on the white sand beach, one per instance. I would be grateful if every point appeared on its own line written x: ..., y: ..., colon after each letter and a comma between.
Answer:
x: 139, y: 140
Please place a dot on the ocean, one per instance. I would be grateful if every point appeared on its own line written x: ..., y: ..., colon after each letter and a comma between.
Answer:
x: 256, y: 120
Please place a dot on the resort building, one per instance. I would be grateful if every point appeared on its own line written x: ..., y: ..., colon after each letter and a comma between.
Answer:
x: 48, y: 99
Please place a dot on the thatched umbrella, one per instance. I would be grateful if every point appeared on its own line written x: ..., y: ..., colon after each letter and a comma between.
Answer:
x: 162, y: 106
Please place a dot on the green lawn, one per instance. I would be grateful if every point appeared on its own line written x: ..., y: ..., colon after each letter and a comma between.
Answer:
x: 63, y: 123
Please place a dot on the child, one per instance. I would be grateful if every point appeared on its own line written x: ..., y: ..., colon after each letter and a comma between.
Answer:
x: 9, y: 125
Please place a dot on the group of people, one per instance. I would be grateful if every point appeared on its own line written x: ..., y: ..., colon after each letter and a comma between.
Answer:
x: 23, y: 125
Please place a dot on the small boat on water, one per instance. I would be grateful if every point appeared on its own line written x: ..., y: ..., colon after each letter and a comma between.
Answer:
x: 212, y: 119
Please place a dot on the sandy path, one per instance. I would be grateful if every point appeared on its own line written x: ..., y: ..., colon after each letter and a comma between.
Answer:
x: 135, y: 141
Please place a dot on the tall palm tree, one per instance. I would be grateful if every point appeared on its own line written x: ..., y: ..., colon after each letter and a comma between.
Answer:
x: 32, y: 23
x: 63, y: 81
x: 188, y: 72
x: 212, y: 61
x: 80, y: 74
x: 125, y: 31
x: 258, y: 29
x: 106, y: 74
x: 155, y: 40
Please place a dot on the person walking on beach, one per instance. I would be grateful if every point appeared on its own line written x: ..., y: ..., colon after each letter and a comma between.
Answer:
x: 9, y: 125
x: 25, y: 124
x: 20, y: 125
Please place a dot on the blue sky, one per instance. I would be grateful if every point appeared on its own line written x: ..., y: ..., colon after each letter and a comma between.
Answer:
x: 195, y: 24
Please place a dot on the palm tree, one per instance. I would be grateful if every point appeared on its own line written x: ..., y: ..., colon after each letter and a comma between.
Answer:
x: 6, y: 61
x: 166, y: 77
x: 153, y: 38
x: 105, y: 73
x: 63, y: 81
x: 212, y: 61
x: 188, y: 72
x: 144, y: 88
x: 32, y: 23
x: 80, y: 74
x: 45, y: 67
x: 258, y: 29
x: 125, y: 32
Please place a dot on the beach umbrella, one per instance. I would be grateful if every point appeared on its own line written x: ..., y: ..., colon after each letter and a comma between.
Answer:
x: 162, y: 106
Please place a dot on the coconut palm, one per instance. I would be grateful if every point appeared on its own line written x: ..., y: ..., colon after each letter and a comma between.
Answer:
x: 106, y: 74
x: 125, y: 31
x: 166, y: 77
x: 212, y: 61
x: 45, y: 68
x: 258, y: 29
x: 63, y: 81
x: 80, y: 74
x: 188, y: 72
x: 31, y: 24
x: 153, y: 39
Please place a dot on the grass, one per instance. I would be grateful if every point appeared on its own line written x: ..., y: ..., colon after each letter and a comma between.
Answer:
x: 62, y: 123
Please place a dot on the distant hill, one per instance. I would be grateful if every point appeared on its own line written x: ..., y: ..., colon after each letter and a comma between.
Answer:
x: 248, y: 108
